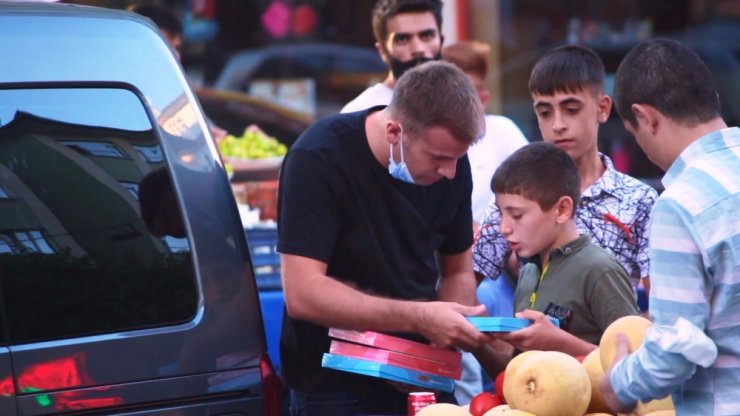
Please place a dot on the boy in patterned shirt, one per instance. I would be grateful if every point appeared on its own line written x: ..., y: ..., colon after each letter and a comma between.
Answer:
x: 567, y: 89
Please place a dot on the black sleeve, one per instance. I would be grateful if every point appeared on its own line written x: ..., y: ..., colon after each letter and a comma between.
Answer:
x: 309, y: 215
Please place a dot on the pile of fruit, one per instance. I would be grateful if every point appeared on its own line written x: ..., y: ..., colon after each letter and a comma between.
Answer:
x: 550, y: 383
x: 252, y: 144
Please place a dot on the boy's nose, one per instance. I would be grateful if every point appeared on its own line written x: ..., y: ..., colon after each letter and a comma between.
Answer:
x: 558, y: 124
x: 505, y: 228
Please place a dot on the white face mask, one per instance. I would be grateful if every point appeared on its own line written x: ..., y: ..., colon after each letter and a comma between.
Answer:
x: 399, y: 170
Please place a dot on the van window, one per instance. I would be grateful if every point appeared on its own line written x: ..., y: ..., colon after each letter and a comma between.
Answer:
x: 91, y: 233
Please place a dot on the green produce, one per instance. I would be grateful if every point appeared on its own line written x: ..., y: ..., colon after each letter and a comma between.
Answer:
x: 253, y: 144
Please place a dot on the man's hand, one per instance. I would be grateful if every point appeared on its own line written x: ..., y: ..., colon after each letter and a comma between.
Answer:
x: 444, y: 325
x: 605, y: 384
x: 540, y: 335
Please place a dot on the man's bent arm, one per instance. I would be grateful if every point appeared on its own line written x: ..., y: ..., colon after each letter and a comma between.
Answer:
x: 311, y: 295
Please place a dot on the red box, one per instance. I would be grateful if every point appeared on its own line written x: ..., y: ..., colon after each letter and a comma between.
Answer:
x: 397, y: 344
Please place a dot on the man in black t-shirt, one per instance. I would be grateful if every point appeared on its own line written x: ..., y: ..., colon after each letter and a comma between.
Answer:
x: 374, y: 211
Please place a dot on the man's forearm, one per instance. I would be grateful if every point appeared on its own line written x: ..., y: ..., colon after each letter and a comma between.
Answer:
x: 674, y: 349
x: 331, y: 303
x: 458, y: 283
x: 493, y: 360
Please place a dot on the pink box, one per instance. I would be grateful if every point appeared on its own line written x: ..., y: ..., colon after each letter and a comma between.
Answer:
x: 388, y: 342
x: 395, y: 358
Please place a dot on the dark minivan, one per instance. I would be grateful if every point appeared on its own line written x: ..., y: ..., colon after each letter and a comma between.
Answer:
x: 126, y: 284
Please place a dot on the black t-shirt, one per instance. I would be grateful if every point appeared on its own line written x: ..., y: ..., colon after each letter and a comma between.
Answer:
x: 338, y: 205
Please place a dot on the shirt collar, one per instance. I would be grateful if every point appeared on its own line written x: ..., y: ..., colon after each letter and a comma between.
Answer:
x: 716, y: 140
x: 607, y: 183
x: 571, y: 247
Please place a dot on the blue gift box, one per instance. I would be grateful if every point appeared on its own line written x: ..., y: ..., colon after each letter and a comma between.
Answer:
x: 502, y: 324
x: 389, y: 372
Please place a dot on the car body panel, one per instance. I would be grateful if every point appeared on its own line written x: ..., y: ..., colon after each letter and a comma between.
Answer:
x: 209, y: 364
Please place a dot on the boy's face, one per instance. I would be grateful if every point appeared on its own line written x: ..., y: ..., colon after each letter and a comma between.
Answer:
x: 528, y: 229
x: 571, y: 120
x: 410, y: 36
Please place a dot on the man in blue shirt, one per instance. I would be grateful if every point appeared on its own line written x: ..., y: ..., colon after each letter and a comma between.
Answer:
x: 667, y: 100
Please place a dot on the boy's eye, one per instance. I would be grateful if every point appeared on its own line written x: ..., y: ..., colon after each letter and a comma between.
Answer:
x: 572, y: 110
x: 543, y: 114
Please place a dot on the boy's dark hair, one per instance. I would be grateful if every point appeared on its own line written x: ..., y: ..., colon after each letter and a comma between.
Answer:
x: 567, y: 68
x: 163, y: 17
x: 385, y: 9
x: 669, y: 76
x: 541, y: 172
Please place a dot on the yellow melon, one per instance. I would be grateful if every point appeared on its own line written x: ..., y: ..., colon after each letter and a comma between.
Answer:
x: 657, y: 405
x: 592, y: 364
x: 506, y: 411
x: 509, y: 374
x: 498, y: 410
x: 551, y: 383
x: 633, y: 326
x: 443, y: 409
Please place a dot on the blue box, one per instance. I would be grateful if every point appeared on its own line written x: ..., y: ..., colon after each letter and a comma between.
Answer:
x: 499, y: 324
x: 265, y: 258
x: 389, y: 372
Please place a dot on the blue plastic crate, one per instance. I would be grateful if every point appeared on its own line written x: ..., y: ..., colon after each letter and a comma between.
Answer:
x: 272, y: 305
x: 265, y: 258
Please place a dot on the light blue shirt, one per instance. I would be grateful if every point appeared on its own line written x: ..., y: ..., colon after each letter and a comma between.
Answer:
x: 693, y: 348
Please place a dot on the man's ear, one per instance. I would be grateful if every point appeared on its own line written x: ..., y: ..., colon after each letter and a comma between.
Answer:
x: 646, y: 116
x: 564, y: 209
x: 393, y: 131
x: 383, y: 53
x: 604, y: 105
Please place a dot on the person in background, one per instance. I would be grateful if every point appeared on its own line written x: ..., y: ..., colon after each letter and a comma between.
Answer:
x: 167, y: 22
x: 407, y: 33
x: 375, y: 232
x: 567, y: 89
x: 667, y: 100
x: 171, y: 27
x: 502, y: 138
x: 570, y: 278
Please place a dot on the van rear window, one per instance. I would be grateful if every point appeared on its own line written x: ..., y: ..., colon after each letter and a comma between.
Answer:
x: 91, y: 233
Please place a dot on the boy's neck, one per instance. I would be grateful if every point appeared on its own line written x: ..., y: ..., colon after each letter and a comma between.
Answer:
x: 590, y: 167
x: 567, y: 232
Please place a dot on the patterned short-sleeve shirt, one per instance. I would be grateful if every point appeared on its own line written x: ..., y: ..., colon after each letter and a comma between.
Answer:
x: 614, y: 211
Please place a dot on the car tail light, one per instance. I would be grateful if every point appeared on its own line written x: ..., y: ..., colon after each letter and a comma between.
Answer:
x: 271, y: 387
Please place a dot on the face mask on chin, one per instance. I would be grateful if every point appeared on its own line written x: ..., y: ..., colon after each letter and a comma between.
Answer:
x: 399, y: 170
x: 399, y: 67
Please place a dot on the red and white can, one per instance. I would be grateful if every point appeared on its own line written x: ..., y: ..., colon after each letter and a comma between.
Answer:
x: 419, y: 400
